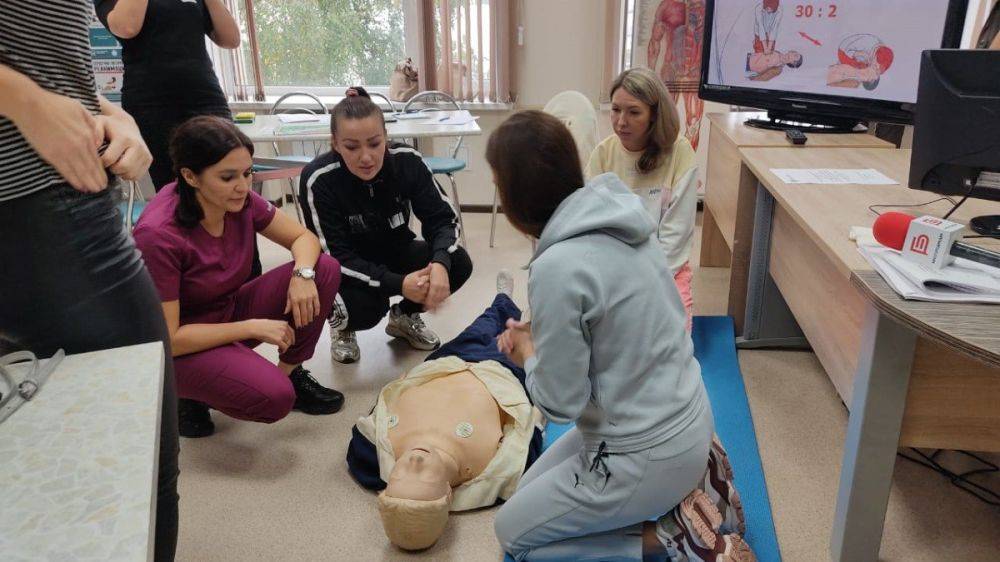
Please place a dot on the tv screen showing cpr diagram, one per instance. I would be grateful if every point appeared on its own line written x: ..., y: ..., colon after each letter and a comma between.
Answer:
x: 856, y: 48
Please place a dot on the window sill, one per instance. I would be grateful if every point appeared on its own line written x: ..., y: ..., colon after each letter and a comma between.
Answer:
x: 330, y: 101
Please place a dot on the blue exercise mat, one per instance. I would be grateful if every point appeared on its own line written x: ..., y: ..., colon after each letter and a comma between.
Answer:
x: 715, y: 348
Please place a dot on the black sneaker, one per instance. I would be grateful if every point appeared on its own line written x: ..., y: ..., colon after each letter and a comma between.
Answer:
x: 312, y: 397
x: 193, y: 419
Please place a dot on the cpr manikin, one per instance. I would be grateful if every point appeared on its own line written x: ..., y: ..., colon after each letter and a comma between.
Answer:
x: 444, y: 433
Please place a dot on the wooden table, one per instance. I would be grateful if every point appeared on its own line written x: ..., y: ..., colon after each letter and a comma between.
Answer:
x: 914, y: 381
x: 78, y: 463
x: 892, y: 329
x: 729, y: 202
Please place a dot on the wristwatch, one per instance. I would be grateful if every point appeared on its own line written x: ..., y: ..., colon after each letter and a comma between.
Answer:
x: 305, y: 273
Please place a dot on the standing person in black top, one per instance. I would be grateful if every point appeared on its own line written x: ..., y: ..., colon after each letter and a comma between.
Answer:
x: 358, y: 198
x: 168, y: 75
x: 72, y: 277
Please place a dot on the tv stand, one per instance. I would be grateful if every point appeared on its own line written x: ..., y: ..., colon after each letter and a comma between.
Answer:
x: 782, y: 121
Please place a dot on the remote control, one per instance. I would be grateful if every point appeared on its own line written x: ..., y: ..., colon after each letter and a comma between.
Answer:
x: 795, y: 136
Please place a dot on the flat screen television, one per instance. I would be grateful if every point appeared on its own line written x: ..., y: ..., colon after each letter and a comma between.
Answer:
x: 823, y: 65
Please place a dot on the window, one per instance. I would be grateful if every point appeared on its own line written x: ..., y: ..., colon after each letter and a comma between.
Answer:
x: 324, y: 46
x: 320, y: 44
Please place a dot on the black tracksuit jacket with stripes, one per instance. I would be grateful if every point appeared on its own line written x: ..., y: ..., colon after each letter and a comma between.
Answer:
x: 360, y: 222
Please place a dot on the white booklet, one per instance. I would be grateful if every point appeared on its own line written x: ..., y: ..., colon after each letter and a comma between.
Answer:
x: 961, y: 281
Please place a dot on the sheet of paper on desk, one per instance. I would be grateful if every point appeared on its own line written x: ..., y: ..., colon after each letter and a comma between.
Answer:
x: 300, y: 118
x: 832, y: 176
x: 462, y: 117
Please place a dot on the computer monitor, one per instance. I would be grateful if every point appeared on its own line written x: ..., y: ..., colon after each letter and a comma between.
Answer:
x: 832, y: 64
x: 956, y: 132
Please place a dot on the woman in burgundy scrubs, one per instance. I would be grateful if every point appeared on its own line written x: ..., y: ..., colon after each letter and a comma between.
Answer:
x: 196, y: 237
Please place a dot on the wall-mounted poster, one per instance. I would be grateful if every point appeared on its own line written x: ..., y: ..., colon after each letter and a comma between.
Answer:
x: 667, y: 38
x: 108, y: 67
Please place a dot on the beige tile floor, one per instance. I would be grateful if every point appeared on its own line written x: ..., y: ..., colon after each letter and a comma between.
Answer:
x: 256, y: 492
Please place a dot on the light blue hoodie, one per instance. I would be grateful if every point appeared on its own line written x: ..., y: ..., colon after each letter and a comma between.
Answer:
x: 611, y: 350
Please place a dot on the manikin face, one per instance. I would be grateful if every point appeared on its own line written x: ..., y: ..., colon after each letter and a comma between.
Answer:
x: 419, y: 474
x: 361, y: 143
x: 630, y: 119
x: 226, y: 184
x: 791, y: 57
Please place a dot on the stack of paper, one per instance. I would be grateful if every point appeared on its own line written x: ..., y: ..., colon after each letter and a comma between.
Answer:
x: 961, y: 281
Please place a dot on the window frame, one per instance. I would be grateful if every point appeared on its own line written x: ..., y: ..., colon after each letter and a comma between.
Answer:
x: 411, y: 41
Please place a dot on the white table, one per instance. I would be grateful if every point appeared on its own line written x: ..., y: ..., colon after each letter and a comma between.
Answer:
x: 263, y: 129
x: 78, y: 463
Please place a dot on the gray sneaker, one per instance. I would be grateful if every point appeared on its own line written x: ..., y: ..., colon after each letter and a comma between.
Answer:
x: 505, y: 283
x: 344, y: 346
x: 411, y: 327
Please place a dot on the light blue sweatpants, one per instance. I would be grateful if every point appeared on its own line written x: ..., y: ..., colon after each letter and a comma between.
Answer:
x: 565, y: 511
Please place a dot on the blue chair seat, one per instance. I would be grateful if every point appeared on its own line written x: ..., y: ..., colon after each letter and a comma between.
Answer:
x: 440, y: 165
x: 137, y: 209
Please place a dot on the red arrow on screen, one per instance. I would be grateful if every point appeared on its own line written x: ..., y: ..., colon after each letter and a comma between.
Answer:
x: 805, y: 36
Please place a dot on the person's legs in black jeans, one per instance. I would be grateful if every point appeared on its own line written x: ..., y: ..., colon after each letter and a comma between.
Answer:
x: 74, y: 280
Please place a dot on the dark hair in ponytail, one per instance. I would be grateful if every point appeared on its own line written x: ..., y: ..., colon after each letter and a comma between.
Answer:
x: 198, y: 143
x: 354, y: 107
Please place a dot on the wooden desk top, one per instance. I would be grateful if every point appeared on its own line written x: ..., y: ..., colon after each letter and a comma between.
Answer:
x: 731, y: 123
x: 827, y: 212
x: 967, y: 327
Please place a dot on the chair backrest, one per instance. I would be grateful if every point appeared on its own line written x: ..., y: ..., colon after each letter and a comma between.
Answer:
x: 428, y: 96
x: 392, y: 106
x: 431, y: 96
x: 134, y: 204
x: 579, y: 116
x: 283, y: 106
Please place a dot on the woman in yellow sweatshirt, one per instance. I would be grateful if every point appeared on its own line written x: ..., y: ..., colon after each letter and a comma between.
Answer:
x: 657, y: 163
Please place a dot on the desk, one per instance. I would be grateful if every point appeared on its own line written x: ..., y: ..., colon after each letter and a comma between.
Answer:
x: 729, y: 202
x: 78, y: 463
x: 892, y: 327
x: 263, y: 127
x: 928, y: 383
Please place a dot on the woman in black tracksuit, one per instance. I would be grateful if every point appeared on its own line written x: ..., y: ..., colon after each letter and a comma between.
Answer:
x: 358, y: 199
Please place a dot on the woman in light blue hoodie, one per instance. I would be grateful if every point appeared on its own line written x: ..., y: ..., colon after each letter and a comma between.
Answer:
x: 606, y: 348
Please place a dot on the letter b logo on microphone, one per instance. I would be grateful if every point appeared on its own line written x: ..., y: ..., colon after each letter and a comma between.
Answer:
x: 919, y: 244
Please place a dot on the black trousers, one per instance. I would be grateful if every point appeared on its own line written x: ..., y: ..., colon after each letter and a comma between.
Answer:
x: 366, y: 306
x: 73, y: 279
x: 157, y: 123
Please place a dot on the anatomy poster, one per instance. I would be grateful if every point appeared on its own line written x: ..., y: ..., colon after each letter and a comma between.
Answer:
x: 667, y: 38
x: 856, y: 48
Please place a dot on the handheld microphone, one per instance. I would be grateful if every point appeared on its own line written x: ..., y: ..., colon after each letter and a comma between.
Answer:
x: 928, y: 240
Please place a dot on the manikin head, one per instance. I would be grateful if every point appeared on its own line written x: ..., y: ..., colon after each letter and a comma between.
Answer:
x: 417, y: 499
x: 359, y: 136
x: 793, y: 59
